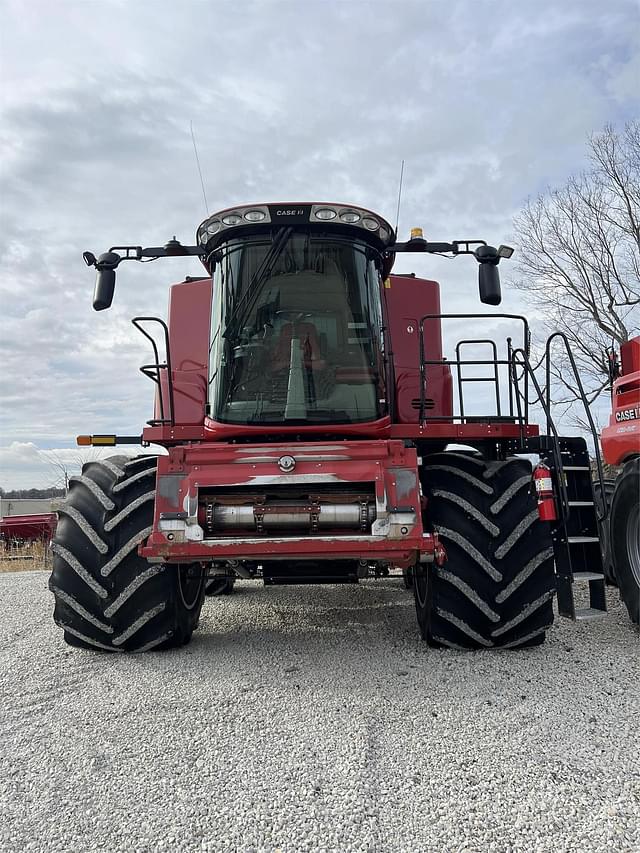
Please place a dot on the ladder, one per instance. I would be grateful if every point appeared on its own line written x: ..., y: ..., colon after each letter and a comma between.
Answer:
x: 575, y: 534
x: 576, y: 539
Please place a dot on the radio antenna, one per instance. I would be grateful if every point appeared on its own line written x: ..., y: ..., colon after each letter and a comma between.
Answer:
x: 195, y: 151
x: 399, y: 197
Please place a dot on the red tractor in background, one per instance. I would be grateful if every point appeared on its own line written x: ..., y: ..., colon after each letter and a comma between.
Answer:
x: 621, y: 447
x: 311, y: 435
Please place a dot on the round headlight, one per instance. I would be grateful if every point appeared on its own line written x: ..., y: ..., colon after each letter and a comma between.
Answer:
x: 371, y: 224
x: 255, y: 215
x: 325, y: 213
x: 210, y: 229
x: 384, y: 233
x: 232, y: 219
x: 350, y: 216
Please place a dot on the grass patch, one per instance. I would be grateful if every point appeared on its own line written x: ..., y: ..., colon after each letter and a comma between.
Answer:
x: 25, y: 558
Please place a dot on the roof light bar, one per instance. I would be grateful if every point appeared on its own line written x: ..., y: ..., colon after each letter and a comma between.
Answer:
x: 293, y: 213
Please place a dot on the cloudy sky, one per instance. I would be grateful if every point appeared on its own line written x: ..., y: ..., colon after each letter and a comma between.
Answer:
x: 487, y: 101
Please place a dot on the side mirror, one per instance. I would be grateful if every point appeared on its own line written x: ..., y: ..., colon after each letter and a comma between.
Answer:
x: 489, y: 284
x: 105, y: 280
x: 104, y: 289
x: 488, y: 275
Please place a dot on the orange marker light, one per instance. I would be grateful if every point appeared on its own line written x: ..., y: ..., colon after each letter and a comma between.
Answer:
x: 103, y: 440
x: 96, y: 440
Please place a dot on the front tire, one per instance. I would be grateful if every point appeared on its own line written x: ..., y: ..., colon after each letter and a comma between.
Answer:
x: 625, y: 537
x: 106, y: 596
x: 497, y: 586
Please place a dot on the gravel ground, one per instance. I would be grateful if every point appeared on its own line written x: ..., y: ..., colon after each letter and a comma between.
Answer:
x: 314, y: 719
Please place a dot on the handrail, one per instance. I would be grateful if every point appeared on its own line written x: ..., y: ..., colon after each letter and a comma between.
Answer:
x: 585, y: 403
x: 152, y: 371
x: 517, y: 357
x: 495, y: 378
x: 557, y: 455
x: 526, y: 335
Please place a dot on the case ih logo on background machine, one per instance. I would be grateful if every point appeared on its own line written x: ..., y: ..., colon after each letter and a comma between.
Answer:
x: 316, y: 433
x: 627, y: 415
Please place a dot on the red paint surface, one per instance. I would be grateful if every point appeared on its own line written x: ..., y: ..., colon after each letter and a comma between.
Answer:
x: 189, y: 319
x: 407, y: 300
x: 469, y: 432
x: 620, y: 440
x: 630, y: 356
x: 195, y: 468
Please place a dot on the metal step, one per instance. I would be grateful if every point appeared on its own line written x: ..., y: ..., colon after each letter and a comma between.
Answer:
x: 577, y: 557
x: 581, y: 540
x: 586, y: 614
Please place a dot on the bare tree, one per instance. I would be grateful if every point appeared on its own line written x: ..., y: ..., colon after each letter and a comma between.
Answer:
x: 579, y: 257
x: 66, y: 464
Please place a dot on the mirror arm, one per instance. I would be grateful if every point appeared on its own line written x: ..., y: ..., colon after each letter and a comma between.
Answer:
x: 456, y: 247
x: 107, y: 263
x: 420, y: 245
x: 172, y: 249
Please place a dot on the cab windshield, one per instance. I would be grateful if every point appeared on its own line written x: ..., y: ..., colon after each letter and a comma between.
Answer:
x: 296, y: 331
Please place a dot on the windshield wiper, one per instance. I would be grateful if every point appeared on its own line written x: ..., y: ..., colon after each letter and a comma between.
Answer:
x: 245, y: 304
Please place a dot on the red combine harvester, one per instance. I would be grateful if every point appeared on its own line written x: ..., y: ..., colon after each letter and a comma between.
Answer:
x: 621, y: 447
x: 308, y: 415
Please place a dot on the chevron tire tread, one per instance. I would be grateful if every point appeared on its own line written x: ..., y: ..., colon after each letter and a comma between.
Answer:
x: 496, y: 588
x: 106, y: 596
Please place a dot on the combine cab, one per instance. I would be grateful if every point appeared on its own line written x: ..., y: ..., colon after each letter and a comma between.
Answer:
x: 315, y: 433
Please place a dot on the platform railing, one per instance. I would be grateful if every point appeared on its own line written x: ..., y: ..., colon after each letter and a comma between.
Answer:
x: 544, y: 399
x: 585, y: 405
x: 521, y: 416
x: 521, y: 377
x: 154, y: 371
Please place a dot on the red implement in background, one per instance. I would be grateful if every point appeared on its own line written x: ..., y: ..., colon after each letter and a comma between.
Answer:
x: 27, y: 528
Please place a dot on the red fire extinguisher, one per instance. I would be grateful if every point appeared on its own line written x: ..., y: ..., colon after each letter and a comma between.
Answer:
x: 544, y: 491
